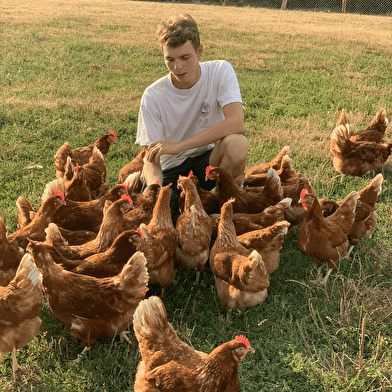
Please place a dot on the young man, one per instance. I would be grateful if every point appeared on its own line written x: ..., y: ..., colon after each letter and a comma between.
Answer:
x: 193, y: 117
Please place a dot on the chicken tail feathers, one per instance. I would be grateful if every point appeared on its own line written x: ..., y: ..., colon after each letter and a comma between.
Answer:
x: 134, y: 275
x: 54, y: 237
x: 340, y: 137
x: 345, y: 214
x: 53, y: 186
x: 28, y: 270
x: 61, y: 158
x: 370, y: 193
x: 149, y: 313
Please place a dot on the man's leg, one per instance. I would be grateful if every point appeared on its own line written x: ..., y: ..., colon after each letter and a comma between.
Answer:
x: 231, y: 154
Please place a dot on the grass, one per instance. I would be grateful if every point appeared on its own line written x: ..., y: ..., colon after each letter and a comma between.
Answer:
x: 73, y: 70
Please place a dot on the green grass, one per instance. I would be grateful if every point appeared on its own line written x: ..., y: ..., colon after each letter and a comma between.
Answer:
x: 73, y: 71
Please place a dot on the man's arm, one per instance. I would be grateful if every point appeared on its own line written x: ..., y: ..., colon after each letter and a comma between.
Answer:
x: 233, y: 123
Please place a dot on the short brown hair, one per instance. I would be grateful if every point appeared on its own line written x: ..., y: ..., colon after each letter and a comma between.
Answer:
x: 175, y: 32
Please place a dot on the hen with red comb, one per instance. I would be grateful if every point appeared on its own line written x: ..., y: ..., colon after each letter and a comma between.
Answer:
x: 169, y: 364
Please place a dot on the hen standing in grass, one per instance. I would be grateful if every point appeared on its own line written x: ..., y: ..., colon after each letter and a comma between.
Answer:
x: 20, y: 306
x: 89, y: 307
x: 325, y: 239
x: 365, y: 211
x: 194, y: 228
x: 170, y: 365
x: 82, y: 155
x: 356, y: 158
x: 240, y: 275
x: 159, y: 241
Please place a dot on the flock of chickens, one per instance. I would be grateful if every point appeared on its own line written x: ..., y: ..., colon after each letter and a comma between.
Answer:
x: 88, y: 244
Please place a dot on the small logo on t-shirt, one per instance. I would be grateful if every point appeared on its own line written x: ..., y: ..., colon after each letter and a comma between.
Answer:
x: 205, y: 109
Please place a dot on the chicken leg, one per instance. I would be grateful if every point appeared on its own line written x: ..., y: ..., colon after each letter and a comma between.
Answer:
x: 15, y: 365
x: 319, y: 279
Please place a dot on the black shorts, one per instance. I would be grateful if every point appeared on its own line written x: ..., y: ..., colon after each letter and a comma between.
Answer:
x: 198, y: 165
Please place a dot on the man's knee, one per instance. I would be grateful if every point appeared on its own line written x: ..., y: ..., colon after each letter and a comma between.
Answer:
x: 235, y: 147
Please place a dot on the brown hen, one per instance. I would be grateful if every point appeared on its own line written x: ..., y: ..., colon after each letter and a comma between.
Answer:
x: 268, y: 242
x: 86, y: 215
x: 159, y: 241
x: 36, y: 228
x: 245, y: 223
x: 20, y: 306
x: 10, y: 256
x: 103, y: 264
x: 170, y: 365
x: 325, y: 239
x: 194, y: 229
x: 356, y: 158
x: 246, y: 202
x: 112, y: 225
x: 240, y: 275
x: 275, y: 163
x: 365, y: 211
x: 81, y: 155
x: 92, y: 308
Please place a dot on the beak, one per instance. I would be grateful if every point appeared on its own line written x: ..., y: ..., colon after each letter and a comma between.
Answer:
x: 251, y: 350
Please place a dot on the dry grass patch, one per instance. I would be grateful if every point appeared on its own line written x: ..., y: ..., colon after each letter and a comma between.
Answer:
x: 132, y: 17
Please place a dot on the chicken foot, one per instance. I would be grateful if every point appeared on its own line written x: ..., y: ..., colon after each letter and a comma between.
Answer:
x: 124, y: 337
x: 319, y: 279
x: 78, y: 360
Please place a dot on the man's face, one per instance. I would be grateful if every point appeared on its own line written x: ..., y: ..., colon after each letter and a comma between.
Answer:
x: 183, y: 63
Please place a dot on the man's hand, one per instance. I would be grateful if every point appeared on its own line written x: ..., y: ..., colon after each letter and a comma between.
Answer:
x: 156, y: 149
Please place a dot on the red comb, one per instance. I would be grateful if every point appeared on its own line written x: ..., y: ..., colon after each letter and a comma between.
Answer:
x: 127, y: 197
x: 168, y: 186
x: 58, y: 193
x: 303, y: 193
x: 242, y: 339
x: 113, y: 133
x: 77, y: 168
x: 190, y: 174
x: 122, y: 183
x: 231, y: 200
x: 139, y: 230
x: 158, y: 182
x: 28, y: 239
x: 208, y: 170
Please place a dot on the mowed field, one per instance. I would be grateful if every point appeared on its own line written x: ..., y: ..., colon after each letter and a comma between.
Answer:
x: 71, y: 71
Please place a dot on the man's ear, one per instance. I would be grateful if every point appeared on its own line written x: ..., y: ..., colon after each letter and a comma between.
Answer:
x: 199, y: 50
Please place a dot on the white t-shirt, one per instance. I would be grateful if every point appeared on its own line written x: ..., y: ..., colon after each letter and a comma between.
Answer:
x: 172, y: 114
